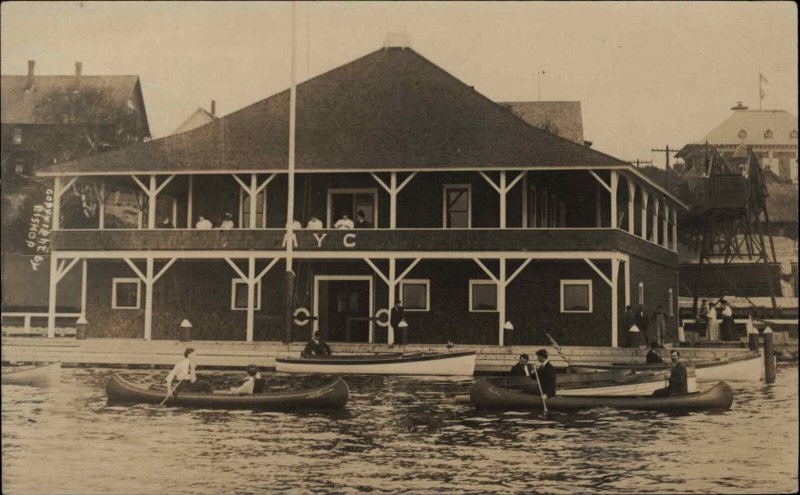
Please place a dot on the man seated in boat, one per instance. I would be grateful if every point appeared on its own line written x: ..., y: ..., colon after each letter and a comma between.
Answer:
x: 186, y: 374
x: 678, y: 378
x: 253, y: 385
x: 652, y: 355
x: 316, y: 348
x: 523, y: 367
x: 545, y: 374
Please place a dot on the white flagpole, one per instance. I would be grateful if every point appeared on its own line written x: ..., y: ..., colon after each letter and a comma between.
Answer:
x: 290, y: 195
x: 760, y: 91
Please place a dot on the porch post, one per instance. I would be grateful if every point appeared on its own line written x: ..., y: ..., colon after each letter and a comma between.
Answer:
x: 666, y: 226
x: 84, y: 280
x: 253, y: 195
x: 674, y: 230
x: 656, y: 204
x: 392, y: 210
x: 51, y: 306
x: 627, y: 282
x: 151, y: 210
x: 56, y: 203
x: 613, y: 197
x: 189, y: 205
x: 251, y: 289
x: 503, y: 191
x: 614, y: 303
x: 501, y: 301
x: 101, y: 223
x: 392, y: 294
x: 645, y: 195
x: 148, y: 298
x: 631, y: 200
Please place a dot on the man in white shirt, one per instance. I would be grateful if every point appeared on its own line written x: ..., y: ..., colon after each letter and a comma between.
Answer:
x: 185, y: 372
x: 227, y: 223
x: 344, y: 223
x: 315, y: 224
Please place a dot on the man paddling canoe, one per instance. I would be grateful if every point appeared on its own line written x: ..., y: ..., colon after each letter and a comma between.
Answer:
x: 678, y: 378
x: 546, y: 374
x: 186, y: 374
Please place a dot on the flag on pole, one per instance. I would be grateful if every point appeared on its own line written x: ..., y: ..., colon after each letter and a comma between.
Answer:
x: 763, y: 79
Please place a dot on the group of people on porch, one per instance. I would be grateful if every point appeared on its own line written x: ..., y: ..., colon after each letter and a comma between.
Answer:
x: 314, y: 223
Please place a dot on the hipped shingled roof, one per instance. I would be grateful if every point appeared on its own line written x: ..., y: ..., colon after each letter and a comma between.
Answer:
x: 391, y: 109
x: 18, y: 102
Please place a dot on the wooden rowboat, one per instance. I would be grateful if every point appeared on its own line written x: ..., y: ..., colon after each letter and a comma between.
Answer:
x: 484, y: 395
x: 745, y: 367
x: 332, y: 395
x: 430, y: 363
x: 40, y: 375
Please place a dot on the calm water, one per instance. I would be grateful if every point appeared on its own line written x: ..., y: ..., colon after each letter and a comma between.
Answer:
x: 396, y: 435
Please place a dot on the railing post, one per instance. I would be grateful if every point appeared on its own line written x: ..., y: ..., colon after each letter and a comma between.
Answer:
x: 656, y: 205
x: 613, y: 196
x: 503, y: 191
x: 189, y: 201
x: 674, y: 230
x: 501, y: 302
x: 645, y: 197
x: 631, y: 206
x: 253, y: 196
x: 151, y: 209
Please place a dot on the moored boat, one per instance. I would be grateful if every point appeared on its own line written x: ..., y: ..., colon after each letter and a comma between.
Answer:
x: 745, y: 367
x: 332, y: 395
x: 431, y: 363
x: 40, y: 375
x: 484, y: 395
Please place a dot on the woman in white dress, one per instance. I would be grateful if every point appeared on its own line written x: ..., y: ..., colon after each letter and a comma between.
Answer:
x: 712, y: 328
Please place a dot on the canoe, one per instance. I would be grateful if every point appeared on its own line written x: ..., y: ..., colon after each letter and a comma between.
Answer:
x: 332, y: 395
x: 426, y: 363
x: 745, y: 367
x: 484, y: 395
x: 41, y: 375
x: 629, y: 383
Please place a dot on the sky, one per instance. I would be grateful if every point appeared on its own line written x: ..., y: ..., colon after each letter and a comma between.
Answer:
x: 647, y: 74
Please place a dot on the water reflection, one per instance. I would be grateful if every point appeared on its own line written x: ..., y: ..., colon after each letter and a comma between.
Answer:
x: 397, y: 434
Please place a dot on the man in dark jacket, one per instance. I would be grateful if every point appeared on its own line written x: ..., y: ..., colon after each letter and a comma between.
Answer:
x: 316, y: 348
x: 523, y: 367
x: 395, y: 317
x: 678, y: 378
x: 640, y: 318
x: 652, y: 355
x: 546, y: 374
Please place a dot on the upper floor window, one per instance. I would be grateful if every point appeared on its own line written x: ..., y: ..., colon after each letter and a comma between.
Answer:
x: 482, y: 295
x: 351, y: 202
x: 244, y: 210
x: 416, y: 295
x: 457, y: 211
x: 17, y: 135
x: 576, y: 296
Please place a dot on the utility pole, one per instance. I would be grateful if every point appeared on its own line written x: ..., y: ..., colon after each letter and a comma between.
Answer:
x: 539, y: 83
x: 666, y: 151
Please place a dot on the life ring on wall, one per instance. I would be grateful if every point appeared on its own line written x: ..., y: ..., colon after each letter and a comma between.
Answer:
x: 301, y: 317
x: 379, y: 317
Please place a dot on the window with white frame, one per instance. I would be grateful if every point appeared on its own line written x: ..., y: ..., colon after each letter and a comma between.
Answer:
x: 641, y: 293
x: 126, y: 293
x: 351, y: 201
x: 670, y: 302
x: 482, y: 296
x: 239, y: 294
x: 416, y: 294
x: 244, y: 210
x: 457, y: 206
x: 576, y: 296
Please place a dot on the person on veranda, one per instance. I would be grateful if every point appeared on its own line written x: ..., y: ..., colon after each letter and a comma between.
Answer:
x: 316, y: 348
x: 185, y: 372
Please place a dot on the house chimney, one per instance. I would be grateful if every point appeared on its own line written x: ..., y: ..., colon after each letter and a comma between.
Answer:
x: 78, y: 69
x: 31, y: 65
x: 214, y: 108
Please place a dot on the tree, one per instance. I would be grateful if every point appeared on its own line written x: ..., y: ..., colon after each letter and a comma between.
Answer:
x: 88, y: 120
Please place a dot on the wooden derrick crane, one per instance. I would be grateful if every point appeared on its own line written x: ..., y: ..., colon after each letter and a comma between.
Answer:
x: 728, y: 221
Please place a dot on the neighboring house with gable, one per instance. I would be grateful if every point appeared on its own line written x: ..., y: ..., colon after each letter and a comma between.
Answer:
x: 562, y: 118
x: 198, y: 118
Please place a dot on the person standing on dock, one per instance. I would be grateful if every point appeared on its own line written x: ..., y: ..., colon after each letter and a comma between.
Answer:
x: 652, y: 355
x: 523, y: 367
x: 726, y: 329
x: 660, y: 318
x: 678, y: 378
x: 546, y: 374
x: 641, y: 321
x: 712, y: 323
x: 631, y: 330
x: 396, y: 315
x: 316, y: 348
x: 186, y: 374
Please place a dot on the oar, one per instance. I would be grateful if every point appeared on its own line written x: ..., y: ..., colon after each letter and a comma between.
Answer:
x: 555, y: 346
x: 541, y: 394
x: 170, y: 391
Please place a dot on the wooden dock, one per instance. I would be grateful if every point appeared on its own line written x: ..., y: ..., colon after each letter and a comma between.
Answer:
x: 226, y: 354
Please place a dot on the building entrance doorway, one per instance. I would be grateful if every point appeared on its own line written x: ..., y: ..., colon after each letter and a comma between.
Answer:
x: 343, y: 305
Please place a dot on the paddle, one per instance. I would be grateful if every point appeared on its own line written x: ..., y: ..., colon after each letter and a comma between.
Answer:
x: 555, y: 346
x: 170, y: 391
x: 541, y: 394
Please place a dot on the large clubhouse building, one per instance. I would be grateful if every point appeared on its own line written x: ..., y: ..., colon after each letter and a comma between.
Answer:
x: 475, y: 219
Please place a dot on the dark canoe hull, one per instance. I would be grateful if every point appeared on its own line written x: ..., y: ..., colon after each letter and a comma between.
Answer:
x: 332, y: 395
x: 43, y: 375
x: 484, y: 395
